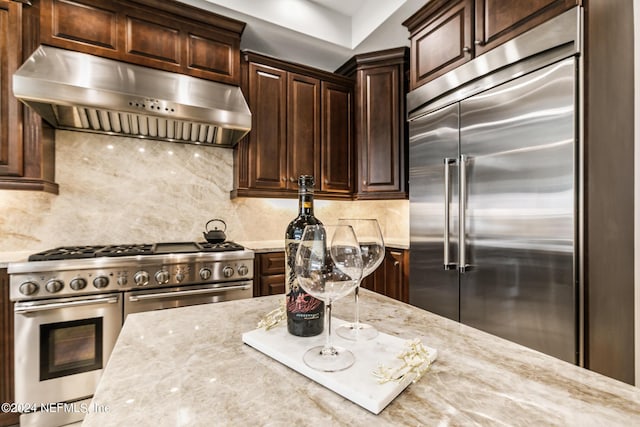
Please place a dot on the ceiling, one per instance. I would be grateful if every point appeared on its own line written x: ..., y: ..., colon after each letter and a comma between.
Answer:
x: 319, y: 33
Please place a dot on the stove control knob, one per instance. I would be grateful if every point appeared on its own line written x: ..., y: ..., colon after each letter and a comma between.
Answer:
x: 122, y: 280
x: 101, y: 282
x: 141, y: 278
x: 162, y: 277
x: 54, y: 286
x: 243, y: 270
x: 28, y: 288
x: 227, y: 271
x: 179, y: 277
x: 78, y: 284
x: 205, y: 273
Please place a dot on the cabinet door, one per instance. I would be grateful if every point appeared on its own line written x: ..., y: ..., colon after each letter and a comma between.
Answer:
x: 303, y: 128
x: 380, y: 130
x: 213, y: 55
x: 337, y: 138
x: 6, y: 347
x: 391, y: 278
x: 500, y: 20
x: 443, y: 44
x: 268, y: 136
x: 272, y: 285
x: 396, y: 275
x: 271, y: 273
x: 86, y: 25
x: 11, y: 148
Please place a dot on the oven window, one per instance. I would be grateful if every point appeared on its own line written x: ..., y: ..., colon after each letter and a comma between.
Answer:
x: 68, y: 348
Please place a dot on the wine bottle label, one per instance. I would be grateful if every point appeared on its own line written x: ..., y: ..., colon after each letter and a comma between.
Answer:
x: 299, y: 303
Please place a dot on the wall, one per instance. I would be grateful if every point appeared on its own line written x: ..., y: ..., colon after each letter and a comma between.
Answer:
x: 116, y: 190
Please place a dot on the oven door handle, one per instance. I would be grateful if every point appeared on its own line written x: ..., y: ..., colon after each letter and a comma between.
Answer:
x: 173, y: 294
x: 57, y: 305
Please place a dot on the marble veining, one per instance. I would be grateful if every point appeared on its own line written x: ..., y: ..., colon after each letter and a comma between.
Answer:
x: 128, y: 190
x: 189, y: 367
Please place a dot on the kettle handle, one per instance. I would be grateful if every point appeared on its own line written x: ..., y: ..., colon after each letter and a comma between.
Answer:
x: 206, y: 227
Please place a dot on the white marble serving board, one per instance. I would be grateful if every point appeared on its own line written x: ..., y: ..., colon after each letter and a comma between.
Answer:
x: 356, y: 383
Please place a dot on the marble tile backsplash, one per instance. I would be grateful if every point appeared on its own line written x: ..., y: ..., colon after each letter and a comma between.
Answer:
x: 129, y: 190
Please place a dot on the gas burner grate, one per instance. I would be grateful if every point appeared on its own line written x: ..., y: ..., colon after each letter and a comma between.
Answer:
x: 220, y: 247
x: 76, y: 252
x: 125, y: 250
x: 66, y: 252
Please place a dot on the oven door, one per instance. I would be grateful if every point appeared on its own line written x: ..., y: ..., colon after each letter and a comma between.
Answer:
x: 155, y: 299
x: 62, y: 346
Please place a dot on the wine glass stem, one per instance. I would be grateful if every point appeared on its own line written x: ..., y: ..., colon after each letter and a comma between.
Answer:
x: 328, y: 347
x: 356, y: 323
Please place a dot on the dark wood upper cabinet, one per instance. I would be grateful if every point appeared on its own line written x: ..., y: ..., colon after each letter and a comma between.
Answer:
x: 303, y: 128
x: 10, y: 108
x: 441, y: 39
x: 500, y: 20
x: 337, y: 138
x: 302, y: 125
x: 27, y: 159
x: 380, y: 125
x: 166, y: 35
x: 285, y: 138
x: 268, y: 137
x: 445, y: 34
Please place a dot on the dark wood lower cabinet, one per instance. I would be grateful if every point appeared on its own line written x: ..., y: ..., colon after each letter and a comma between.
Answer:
x: 392, y: 277
x: 268, y: 274
x: 6, y: 350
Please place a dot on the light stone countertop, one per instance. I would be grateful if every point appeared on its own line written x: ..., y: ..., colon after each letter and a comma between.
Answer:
x: 188, y: 367
x: 16, y: 256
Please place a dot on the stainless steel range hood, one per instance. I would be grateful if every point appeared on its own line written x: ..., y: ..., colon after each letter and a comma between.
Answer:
x: 77, y: 91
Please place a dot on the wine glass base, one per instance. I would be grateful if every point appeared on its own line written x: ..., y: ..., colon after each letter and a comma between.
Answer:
x: 328, y: 360
x: 364, y: 332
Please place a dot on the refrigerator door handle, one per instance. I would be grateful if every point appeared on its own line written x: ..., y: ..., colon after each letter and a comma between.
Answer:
x: 446, y: 256
x: 462, y: 246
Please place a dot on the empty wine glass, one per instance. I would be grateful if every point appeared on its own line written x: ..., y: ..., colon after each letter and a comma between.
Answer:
x: 372, y: 248
x: 328, y: 266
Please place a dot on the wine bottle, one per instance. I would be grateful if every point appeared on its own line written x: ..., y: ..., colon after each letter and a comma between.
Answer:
x: 305, y: 314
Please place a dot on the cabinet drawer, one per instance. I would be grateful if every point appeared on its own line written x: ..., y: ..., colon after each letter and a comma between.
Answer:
x: 272, y: 263
x: 272, y: 285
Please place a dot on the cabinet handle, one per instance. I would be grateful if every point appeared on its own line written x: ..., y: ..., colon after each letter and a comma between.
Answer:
x: 283, y: 179
x: 292, y: 179
x: 466, y: 49
x: 478, y: 42
x: 396, y: 263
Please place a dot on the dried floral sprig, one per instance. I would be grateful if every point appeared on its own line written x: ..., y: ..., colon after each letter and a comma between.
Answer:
x: 415, y: 360
x: 272, y: 318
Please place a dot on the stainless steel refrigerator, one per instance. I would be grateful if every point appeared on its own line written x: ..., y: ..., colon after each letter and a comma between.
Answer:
x: 494, y: 181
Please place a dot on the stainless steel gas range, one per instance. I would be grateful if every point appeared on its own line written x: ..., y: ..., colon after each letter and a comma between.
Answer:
x: 71, y: 302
